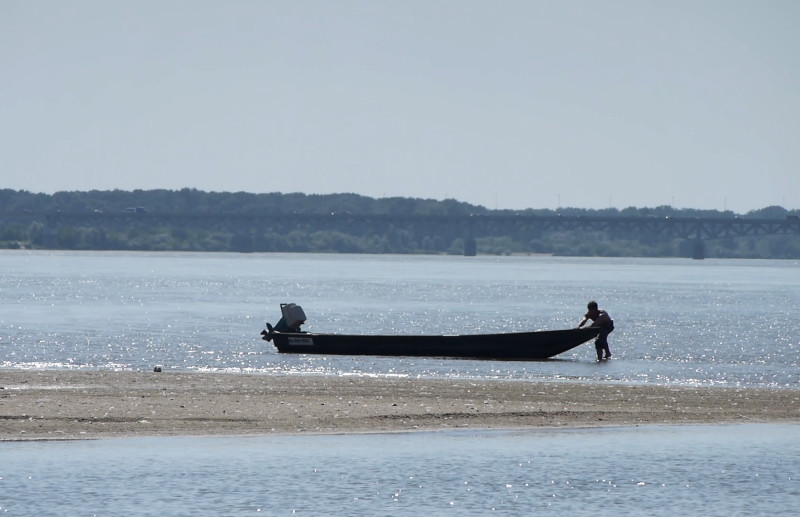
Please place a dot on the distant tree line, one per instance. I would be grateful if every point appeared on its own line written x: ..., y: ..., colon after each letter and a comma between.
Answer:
x: 30, y: 220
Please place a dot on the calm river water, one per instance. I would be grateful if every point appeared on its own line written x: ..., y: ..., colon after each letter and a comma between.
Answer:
x: 678, y: 322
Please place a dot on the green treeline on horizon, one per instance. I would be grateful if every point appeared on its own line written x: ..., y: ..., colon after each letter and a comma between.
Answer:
x: 22, y: 225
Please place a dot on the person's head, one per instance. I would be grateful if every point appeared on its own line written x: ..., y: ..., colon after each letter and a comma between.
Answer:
x: 592, y: 306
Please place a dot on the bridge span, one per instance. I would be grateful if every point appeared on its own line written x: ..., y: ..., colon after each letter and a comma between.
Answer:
x: 471, y: 227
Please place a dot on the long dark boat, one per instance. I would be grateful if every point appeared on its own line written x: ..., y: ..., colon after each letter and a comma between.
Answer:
x: 536, y: 345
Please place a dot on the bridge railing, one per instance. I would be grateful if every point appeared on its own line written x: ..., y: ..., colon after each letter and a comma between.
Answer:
x: 679, y: 227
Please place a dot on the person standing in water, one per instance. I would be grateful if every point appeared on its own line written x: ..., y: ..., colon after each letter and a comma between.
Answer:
x: 601, y: 319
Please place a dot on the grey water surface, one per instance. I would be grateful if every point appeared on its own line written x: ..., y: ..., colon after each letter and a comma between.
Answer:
x: 678, y: 321
x: 697, y: 470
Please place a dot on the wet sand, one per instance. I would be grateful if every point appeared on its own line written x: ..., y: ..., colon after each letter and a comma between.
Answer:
x: 59, y: 405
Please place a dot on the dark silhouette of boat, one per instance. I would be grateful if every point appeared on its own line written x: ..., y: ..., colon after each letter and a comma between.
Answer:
x: 535, y: 345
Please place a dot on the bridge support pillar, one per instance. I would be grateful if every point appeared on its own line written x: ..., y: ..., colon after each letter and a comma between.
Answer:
x: 699, y: 250
x: 470, y: 247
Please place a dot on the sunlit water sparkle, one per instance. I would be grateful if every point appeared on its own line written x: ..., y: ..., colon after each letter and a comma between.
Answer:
x: 711, y: 322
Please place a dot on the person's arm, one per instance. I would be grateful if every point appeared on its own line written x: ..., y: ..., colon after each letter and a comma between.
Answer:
x: 583, y: 321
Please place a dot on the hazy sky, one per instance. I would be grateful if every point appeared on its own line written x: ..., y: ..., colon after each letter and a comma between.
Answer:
x: 506, y: 104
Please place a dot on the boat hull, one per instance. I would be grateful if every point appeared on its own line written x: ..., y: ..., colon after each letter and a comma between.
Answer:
x: 510, y: 346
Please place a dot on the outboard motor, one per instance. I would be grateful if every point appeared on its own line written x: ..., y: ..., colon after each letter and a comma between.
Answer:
x: 292, y: 316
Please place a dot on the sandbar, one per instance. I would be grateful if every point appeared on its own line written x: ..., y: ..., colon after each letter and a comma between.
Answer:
x: 68, y: 404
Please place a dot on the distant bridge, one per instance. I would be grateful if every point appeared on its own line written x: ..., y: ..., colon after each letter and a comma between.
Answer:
x: 697, y: 229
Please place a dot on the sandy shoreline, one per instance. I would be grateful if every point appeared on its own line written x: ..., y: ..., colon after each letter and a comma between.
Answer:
x: 55, y: 405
